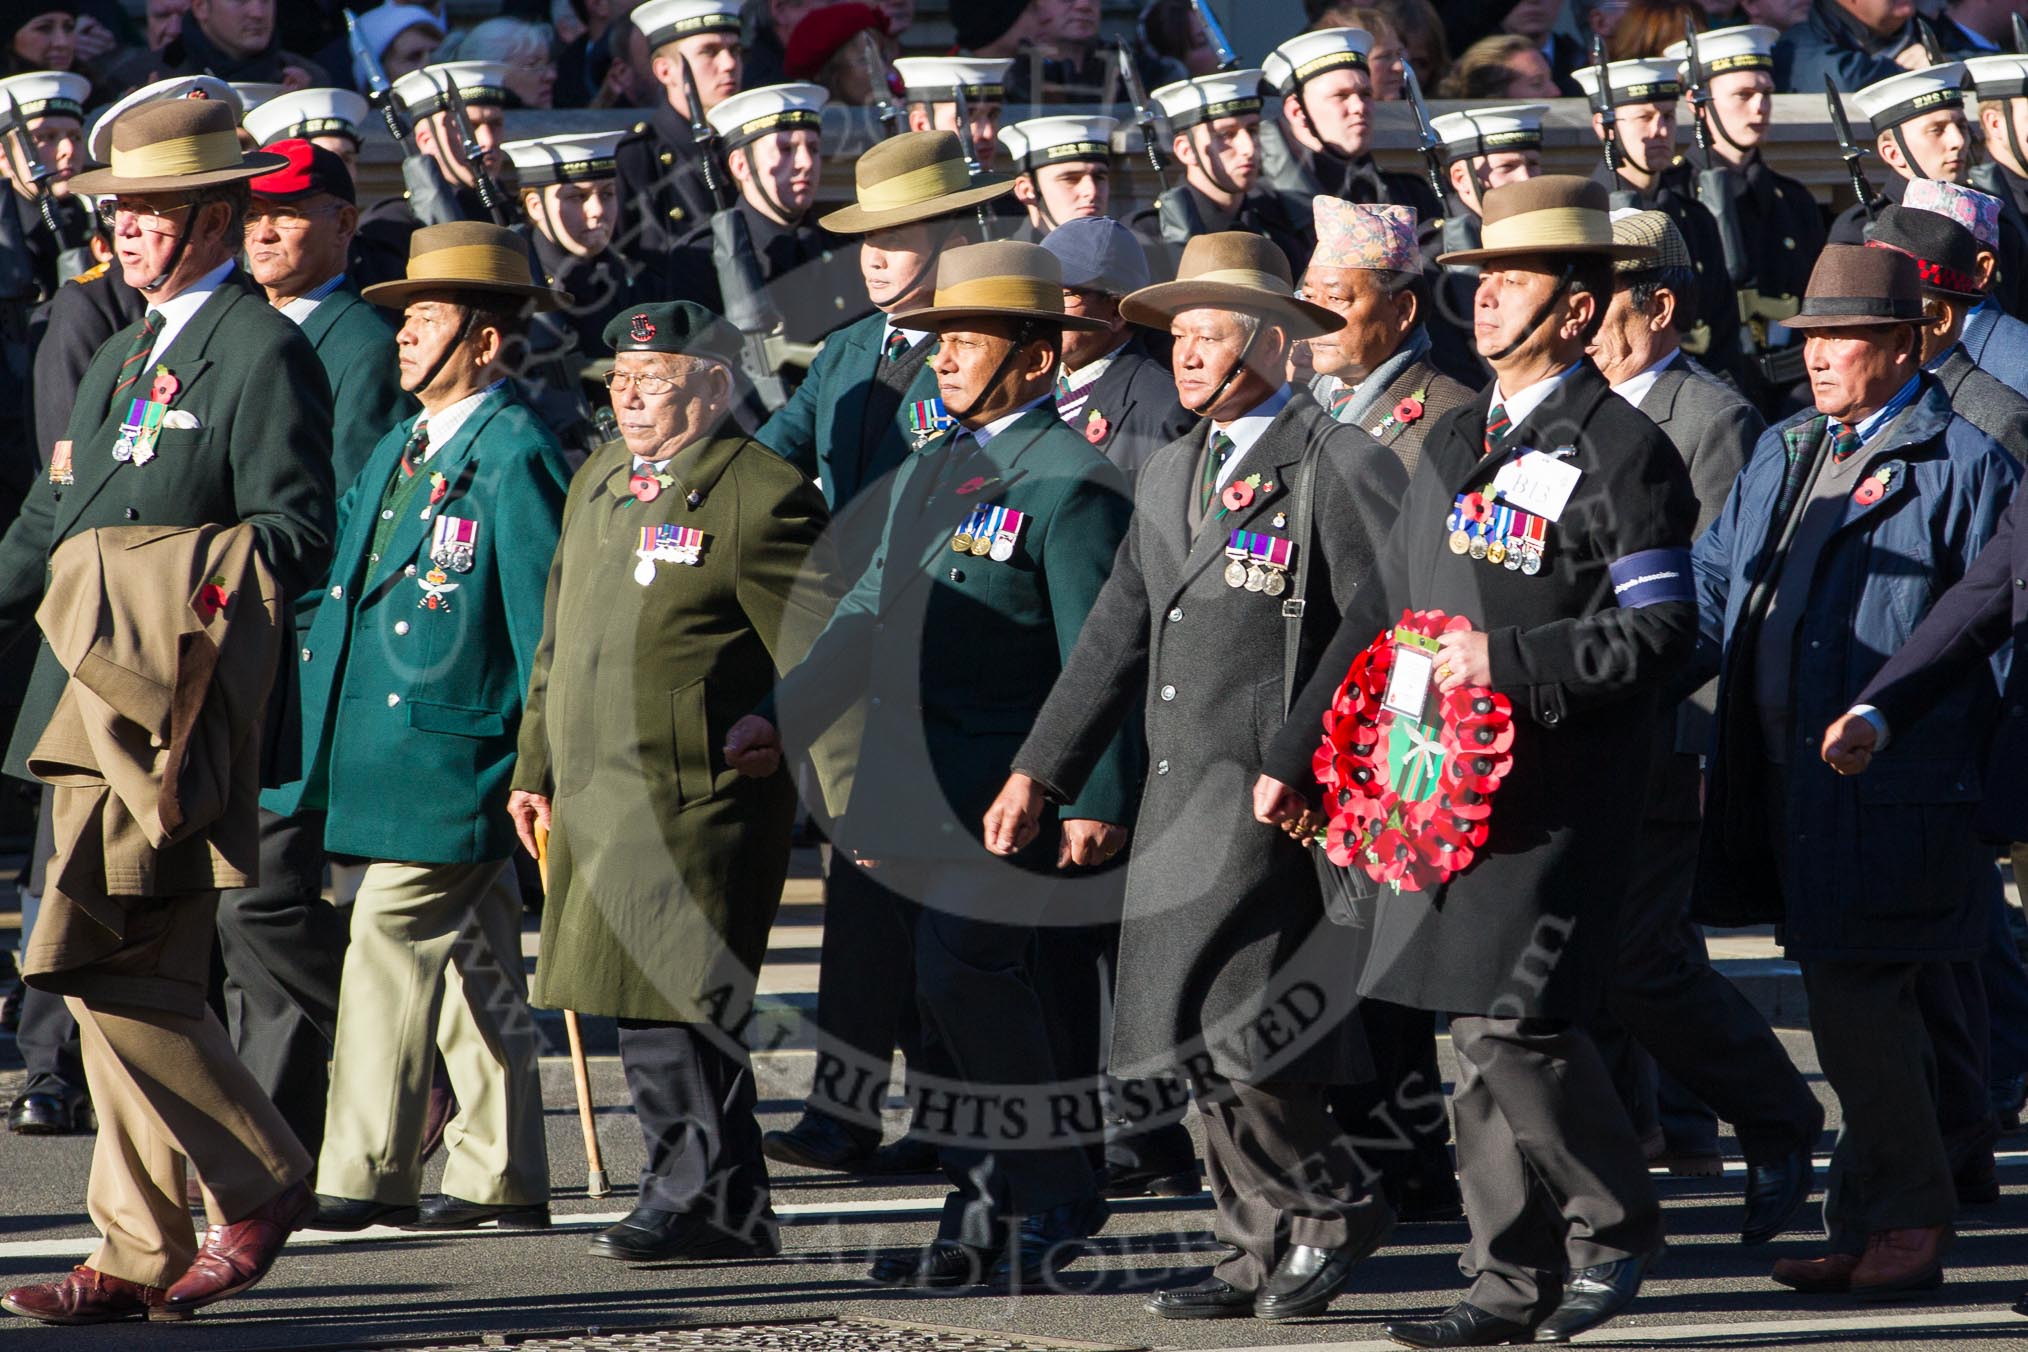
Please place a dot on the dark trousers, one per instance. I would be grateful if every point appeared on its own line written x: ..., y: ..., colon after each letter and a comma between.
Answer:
x: 1552, y: 1176
x: 693, y: 1093
x: 1952, y: 998
x: 47, y: 1035
x: 2006, y: 983
x: 1695, y: 1024
x: 1280, y: 1176
x: 284, y: 947
x: 1889, y: 1170
x: 865, y: 996
x: 1396, y: 1120
x: 986, y: 1031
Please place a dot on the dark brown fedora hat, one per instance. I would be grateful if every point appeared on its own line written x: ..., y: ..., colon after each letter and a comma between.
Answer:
x: 1854, y: 286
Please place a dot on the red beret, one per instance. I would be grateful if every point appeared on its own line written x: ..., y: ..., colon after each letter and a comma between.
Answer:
x: 310, y: 170
x: 822, y: 33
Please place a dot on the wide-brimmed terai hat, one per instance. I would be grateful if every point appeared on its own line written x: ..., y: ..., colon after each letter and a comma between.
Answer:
x: 467, y: 256
x: 1001, y: 279
x: 179, y: 145
x: 1856, y: 286
x: 1231, y: 270
x: 916, y: 176
x: 1554, y: 214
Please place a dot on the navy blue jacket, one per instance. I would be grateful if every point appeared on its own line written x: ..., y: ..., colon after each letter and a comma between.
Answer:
x: 1885, y: 864
x: 1998, y: 342
x: 1831, y: 42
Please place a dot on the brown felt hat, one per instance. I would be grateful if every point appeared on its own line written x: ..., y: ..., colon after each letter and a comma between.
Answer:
x: 1855, y: 286
x: 467, y: 256
x: 1232, y: 270
x: 1001, y: 279
x: 176, y: 145
x: 916, y: 176
x: 1551, y: 214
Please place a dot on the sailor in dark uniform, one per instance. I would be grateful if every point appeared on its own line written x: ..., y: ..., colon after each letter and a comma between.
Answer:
x: 1482, y: 149
x: 931, y: 84
x: 662, y: 178
x: 331, y: 118
x: 2001, y: 82
x: 1064, y: 171
x: 1323, y: 143
x: 380, y: 249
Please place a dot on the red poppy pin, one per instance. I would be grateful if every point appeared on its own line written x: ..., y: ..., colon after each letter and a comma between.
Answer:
x: 1096, y: 428
x: 439, y: 486
x: 1869, y: 492
x: 1238, y: 495
x: 644, y: 488
x: 165, y: 387
x: 973, y: 485
x: 212, y: 597
x: 1408, y: 410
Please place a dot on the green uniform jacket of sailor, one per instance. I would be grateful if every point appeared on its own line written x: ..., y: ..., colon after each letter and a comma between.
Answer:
x: 357, y: 349
x: 956, y: 652
x: 413, y: 674
x: 665, y: 867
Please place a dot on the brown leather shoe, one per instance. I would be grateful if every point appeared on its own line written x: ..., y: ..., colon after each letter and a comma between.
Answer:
x: 88, y: 1296
x: 1828, y: 1275
x: 234, y: 1257
x: 1898, y: 1262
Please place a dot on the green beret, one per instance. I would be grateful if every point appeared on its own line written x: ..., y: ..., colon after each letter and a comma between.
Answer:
x: 677, y: 326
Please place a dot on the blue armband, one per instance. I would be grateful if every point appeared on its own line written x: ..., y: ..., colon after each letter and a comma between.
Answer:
x: 1652, y: 577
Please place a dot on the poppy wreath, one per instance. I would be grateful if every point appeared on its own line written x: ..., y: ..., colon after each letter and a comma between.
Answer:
x: 1409, y: 803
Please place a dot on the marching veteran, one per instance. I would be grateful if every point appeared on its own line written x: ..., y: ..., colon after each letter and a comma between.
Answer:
x: 673, y: 601
x: 1579, y: 636
x: 212, y: 410
x: 999, y: 535
x: 1223, y: 917
x: 413, y: 673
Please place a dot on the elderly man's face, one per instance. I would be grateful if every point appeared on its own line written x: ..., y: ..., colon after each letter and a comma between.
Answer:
x: 664, y: 401
x: 1855, y: 371
x: 966, y: 363
x: 1375, y: 322
x: 294, y: 247
x: 145, y: 231
x: 239, y: 27
x: 1510, y: 293
x: 1206, y: 344
x: 165, y: 21
x: 1627, y: 339
x: 1081, y: 346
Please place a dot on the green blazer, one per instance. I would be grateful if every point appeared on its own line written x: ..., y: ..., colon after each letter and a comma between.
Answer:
x: 356, y: 345
x: 956, y: 652
x: 410, y: 709
x: 260, y: 453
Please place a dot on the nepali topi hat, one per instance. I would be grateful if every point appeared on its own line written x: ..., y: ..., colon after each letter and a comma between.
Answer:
x: 1000, y: 279
x: 179, y: 145
x: 1857, y: 286
x: 1232, y: 270
x: 916, y: 176
x: 1379, y: 237
x: 467, y: 256
x: 1976, y: 211
x: 1556, y: 214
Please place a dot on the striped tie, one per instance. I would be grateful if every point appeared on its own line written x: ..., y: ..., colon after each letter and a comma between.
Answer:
x: 897, y: 345
x: 1341, y: 399
x: 136, y: 364
x: 413, y: 450
x: 1062, y: 385
x: 1221, y: 448
x: 1843, y: 443
x: 1498, y: 425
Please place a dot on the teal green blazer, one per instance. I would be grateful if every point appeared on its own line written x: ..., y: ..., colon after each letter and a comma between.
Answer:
x: 356, y: 345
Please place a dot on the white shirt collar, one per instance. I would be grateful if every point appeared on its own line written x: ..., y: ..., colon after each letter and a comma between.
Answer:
x: 302, y: 307
x: 181, y: 308
x: 985, y: 434
x: 914, y: 336
x: 1636, y: 386
x: 444, y: 423
x: 1524, y: 402
x: 1247, y: 428
x: 1092, y: 370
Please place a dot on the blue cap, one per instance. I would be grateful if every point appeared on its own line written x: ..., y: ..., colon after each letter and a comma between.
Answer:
x: 1099, y: 254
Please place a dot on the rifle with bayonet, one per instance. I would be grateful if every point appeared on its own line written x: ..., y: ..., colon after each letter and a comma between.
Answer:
x: 1608, y: 123
x: 1215, y: 34
x: 1847, y: 151
x: 1460, y: 230
x: 1175, y: 209
x: 73, y: 255
x: 474, y: 155
x: 1932, y: 50
x: 961, y: 112
x: 429, y: 194
x: 1717, y: 186
x: 741, y: 290
x: 889, y: 112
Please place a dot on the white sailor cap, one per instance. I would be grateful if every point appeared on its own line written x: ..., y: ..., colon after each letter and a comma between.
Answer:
x: 754, y: 113
x: 1998, y: 77
x: 424, y: 91
x: 41, y: 93
x: 99, y: 140
x: 935, y: 79
x: 1649, y: 80
x: 667, y: 21
x: 568, y: 158
x: 1042, y: 141
x: 1230, y: 93
x: 1724, y: 50
x: 1307, y: 55
x: 1490, y: 131
x: 1899, y: 98
x: 308, y: 113
x: 253, y: 93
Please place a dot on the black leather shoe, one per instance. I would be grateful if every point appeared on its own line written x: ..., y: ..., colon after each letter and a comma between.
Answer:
x: 1463, y: 1325
x: 1775, y: 1193
x: 819, y: 1141
x: 1212, y: 1298
x: 1308, y: 1279
x: 1048, y: 1242
x: 1133, y: 1180
x: 353, y: 1213
x: 650, y: 1235
x: 1427, y: 1198
x: 909, y: 1155
x: 945, y: 1263
x: 1594, y: 1295
x: 50, y: 1114
x: 446, y: 1212
x: 2021, y: 1305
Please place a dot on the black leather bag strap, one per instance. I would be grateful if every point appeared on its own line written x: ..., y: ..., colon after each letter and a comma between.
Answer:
x: 1297, y: 601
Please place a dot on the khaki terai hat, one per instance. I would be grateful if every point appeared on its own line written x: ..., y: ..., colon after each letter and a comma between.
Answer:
x: 916, y: 176
x: 467, y: 256
x: 1555, y: 214
x: 176, y: 146
x: 1232, y: 270
x: 1001, y: 279
x: 1856, y: 286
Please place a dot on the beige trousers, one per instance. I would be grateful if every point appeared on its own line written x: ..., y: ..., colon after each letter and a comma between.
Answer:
x: 435, y: 966
x: 167, y: 1086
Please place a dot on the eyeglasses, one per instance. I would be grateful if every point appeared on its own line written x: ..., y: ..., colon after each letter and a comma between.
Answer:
x: 151, y: 218
x: 645, y: 382
x: 283, y: 218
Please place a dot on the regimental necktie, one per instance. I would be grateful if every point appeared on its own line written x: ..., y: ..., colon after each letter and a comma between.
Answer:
x: 135, y: 367
x: 1843, y: 444
x: 897, y: 345
x: 1062, y: 385
x: 415, y: 448
x: 1498, y: 425
x: 1221, y: 451
x: 1341, y: 399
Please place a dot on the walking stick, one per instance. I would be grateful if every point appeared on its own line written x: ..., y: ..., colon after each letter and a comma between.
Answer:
x: 580, y: 1075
